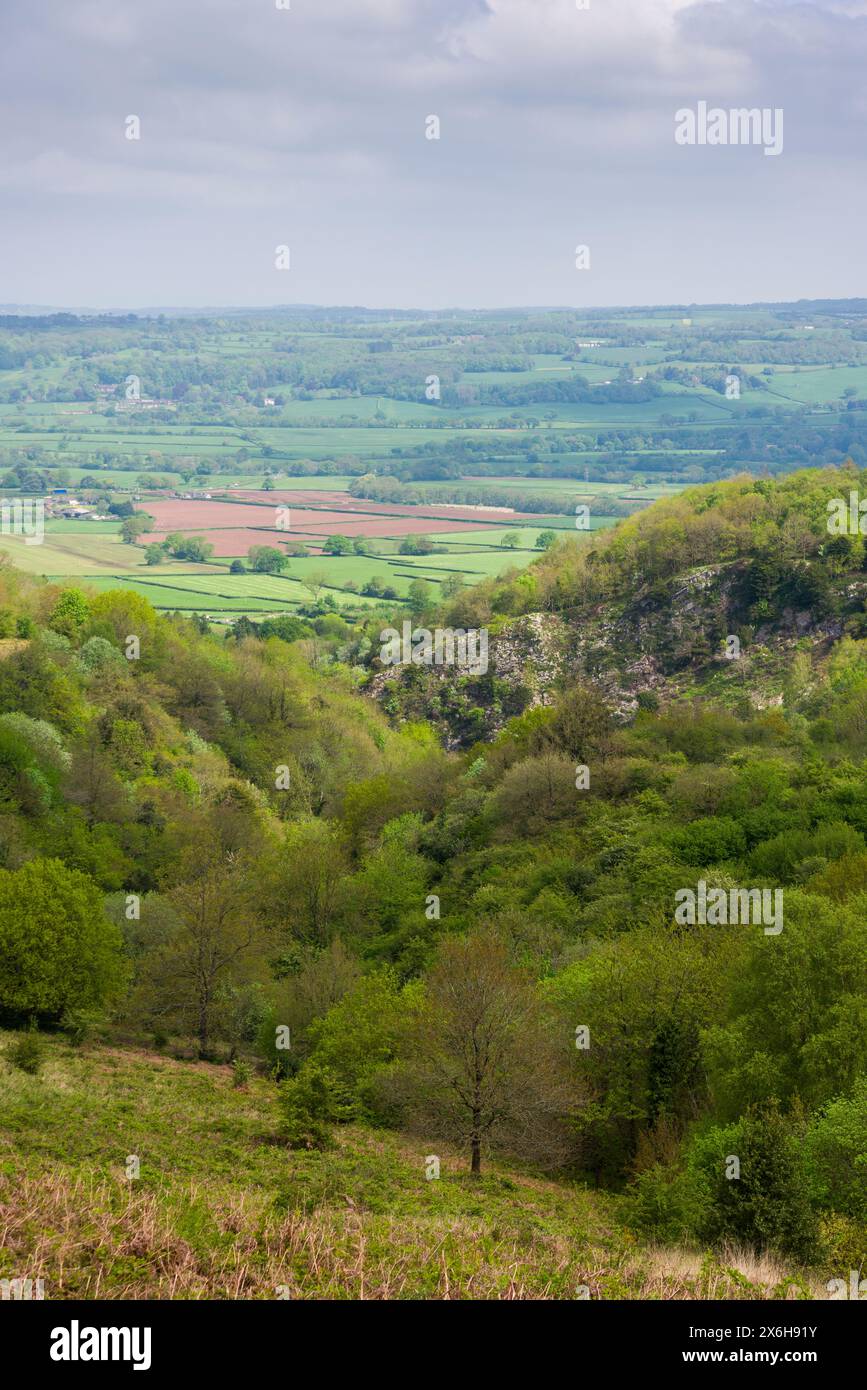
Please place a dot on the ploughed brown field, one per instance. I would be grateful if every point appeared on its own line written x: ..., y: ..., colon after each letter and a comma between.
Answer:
x: 232, y: 540
x: 236, y: 540
x: 275, y: 517
x: 342, y: 502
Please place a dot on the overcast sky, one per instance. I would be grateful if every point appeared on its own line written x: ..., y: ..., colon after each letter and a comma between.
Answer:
x: 263, y: 127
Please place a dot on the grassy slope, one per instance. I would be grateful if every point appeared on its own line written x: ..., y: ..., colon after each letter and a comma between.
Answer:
x: 223, y: 1210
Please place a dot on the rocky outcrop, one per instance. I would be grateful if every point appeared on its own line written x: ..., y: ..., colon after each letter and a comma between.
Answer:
x: 663, y: 642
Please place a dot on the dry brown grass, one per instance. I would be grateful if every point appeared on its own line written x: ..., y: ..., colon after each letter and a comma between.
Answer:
x: 103, y: 1238
x: 767, y: 1274
x: 106, y: 1239
x: 224, y: 1211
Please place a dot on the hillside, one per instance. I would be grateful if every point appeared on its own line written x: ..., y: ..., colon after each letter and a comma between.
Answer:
x: 647, y: 613
x: 223, y: 1209
x: 593, y: 924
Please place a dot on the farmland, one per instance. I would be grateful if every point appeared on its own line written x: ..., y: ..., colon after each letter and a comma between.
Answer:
x: 318, y: 435
x: 95, y: 554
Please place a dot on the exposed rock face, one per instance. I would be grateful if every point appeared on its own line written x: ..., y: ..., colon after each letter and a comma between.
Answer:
x: 531, y: 650
x: 661, y: 642
x: 527, y: 659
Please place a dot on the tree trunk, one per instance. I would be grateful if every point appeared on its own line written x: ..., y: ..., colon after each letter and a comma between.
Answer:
x: 476, y: 1146
x: 204, y: 1029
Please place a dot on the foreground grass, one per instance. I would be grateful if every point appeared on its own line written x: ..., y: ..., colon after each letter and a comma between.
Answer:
x: 223, y: 1210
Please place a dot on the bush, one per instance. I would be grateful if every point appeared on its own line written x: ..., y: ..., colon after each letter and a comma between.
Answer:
x: 27, y: 1053
x: 661, y: 1205
x: 768, y: 1206
x: 242, y: 1074
x: 96, y: 654
x: 843, y: 1244
x: 311, y: 1103
x: 836, y: 1155
x: 282, y: 1061
x: 358, y: 1036
x: 780, y: 857
x: 709, y: 840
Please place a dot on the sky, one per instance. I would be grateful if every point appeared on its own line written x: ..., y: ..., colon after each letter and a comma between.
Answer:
x: 307, y: 127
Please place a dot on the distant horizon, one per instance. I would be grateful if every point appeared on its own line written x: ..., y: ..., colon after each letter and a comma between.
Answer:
x: 25, y: 309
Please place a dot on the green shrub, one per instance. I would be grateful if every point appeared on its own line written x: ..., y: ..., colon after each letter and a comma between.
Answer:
x: 58, y: 951
x: 779, y: 857
x: 27, y: 1052
x: 358, y: 1036
x: 836, y: 1155
x: 661, y: 1205
x: 242, y: 1074
x: 767, y: 1207
x: 709, y: 840
x: 282, y: 1061
x: 843, y: 1243
x: 310, y: 1104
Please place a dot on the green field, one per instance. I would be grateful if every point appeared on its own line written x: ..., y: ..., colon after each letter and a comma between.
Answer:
x: 493, y: 538
x: 476, y: 562
x: 816, y: 385
x: 578, y: 486
x: 207, y: 592
x: 202, y: 588
x: 194, y: 600
x: 62, y: 553
x: 346, y: 392
x: 126, y: 480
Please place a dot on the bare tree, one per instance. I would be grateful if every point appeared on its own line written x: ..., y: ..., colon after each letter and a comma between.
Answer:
x: 482, y: 1068
x: 215, y: 938
x: 92, y: 783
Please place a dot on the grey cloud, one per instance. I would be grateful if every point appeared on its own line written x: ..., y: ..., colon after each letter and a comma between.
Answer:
x: 261, y: 126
